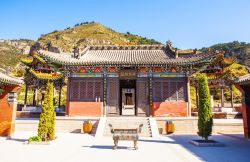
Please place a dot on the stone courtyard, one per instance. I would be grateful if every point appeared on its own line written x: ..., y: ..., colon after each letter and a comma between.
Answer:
x: 75, y: 147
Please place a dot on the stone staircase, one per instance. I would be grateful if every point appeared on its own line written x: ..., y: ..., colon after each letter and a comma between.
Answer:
x: 128, y: 122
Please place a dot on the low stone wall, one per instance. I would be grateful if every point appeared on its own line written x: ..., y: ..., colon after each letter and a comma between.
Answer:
x: 29, y: 114
x: 189, y: 125
x: 63, y: 124
x: 223, y: 115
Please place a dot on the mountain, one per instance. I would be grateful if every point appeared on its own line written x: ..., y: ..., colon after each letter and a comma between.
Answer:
x: 240, y: 50
x: 12, y: 50
x: 90, y: 34
x: 78, y: 36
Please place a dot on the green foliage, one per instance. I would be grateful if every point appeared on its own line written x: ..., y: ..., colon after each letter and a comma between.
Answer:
x: 236, y: 70
x: 46, y: 128
x: 11, y: 51
x: 19, y: 72
x: 193, y: 97
x: 240, y: 50
x: 1, y: 90
x: 9, y: 56
x: 91, y: 33
x: 35, y: 138
x: 205, y: 117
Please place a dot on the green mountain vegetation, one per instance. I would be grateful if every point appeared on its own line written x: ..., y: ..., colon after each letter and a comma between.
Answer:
x: 12, y: 50
x: 90, y: 34
x: 240, y: 50
x: 9, y: 56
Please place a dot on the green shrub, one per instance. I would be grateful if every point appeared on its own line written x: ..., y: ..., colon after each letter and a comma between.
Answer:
x: 205, y: 116
x: 1, y: 90
x: 46, y: 127
x: 35, y: 138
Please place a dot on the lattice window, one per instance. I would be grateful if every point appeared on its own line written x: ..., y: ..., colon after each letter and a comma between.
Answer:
x: 85, y: 90
x: 143, y: 91
x: 169, y: 89
x: 165, y: 89
x: 180, y: 90
x: 173, y: 92
x: 90, y: 90
x: 82, y: 90
x: 75, y: 90
x: 98, y: 89
x: 157, y: 91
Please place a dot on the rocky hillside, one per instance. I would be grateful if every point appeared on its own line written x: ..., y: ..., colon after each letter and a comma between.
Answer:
x: 78, y: 36
x: 12, y: 50
x: 240, y: 50
x: 90, y: 34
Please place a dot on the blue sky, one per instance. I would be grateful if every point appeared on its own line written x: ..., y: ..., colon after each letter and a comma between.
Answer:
x: 187, y: 23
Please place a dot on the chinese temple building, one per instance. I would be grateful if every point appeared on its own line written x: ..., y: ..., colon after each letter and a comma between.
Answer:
x: 151, y: 80
x: 8, y: 103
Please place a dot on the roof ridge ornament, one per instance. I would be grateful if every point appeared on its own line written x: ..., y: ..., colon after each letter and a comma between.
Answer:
x: 84, y: 50
x: 176, y: 53
x: 76, y: 53
x: 125, y: 47
x: 169, y: 43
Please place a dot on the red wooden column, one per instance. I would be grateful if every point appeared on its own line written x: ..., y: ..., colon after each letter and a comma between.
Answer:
x: 150, y: 81
x: 222, y: 96
x: 232, y: 96
x: 246, y: 110
x: 59, y: 96
x: 188, y: 98
x: 245, y: 89
x: 68, y: 96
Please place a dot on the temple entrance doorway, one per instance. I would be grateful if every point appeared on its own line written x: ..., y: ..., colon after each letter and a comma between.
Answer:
x: 128, y: 98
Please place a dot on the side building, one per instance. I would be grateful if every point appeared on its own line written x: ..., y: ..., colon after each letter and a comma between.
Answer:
x: 128, y: 80
x: 9, y: 86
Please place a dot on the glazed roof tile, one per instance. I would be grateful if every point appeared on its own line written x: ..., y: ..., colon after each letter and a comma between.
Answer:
x: 243, y: 79
x: 9, y: 80
x: 125, y: 55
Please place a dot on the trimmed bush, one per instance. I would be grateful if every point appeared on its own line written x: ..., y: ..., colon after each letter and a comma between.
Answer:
x: 35, y: 138
x: 46, y: 127
x: 205, y: 116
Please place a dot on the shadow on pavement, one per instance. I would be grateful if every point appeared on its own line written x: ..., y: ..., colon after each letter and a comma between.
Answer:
x: 237, y: 149
x: 16, y: 139
x: 157, y: 141
x: 109, y: 147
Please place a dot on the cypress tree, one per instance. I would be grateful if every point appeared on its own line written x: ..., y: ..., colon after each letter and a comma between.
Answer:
x: 205, y: 116
x: 46, y: 127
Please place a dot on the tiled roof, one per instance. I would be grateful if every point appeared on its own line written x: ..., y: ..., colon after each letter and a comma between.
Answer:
x: 243, y: 79
x: 125, y: 55
x: 9, y: 80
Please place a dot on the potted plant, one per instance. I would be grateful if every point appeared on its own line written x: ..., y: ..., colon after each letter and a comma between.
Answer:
x: 205, y: 116
x: 87, y: 126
